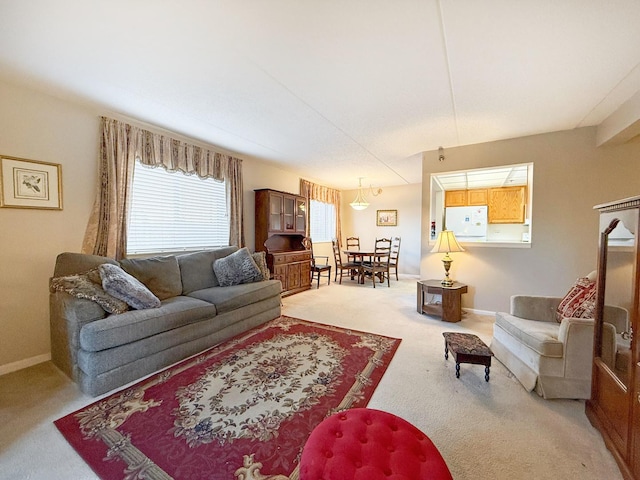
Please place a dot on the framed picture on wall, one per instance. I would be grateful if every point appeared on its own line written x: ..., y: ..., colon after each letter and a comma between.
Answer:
x: 30, y: 184
x: 386, y: 218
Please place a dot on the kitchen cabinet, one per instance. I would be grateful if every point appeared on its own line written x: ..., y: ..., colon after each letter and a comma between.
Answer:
x: 280, y: 222
x: 614, y: 406
x: 465, y: 198
x: 477, y: 196
x: 507, y: 204
x: 455, y: 198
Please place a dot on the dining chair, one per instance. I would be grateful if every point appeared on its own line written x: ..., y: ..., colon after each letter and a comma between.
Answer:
x: 353, y: 243
x: 317, y: 269
x: 394, y: 256
x: 343, y: 267
x: 379, y: 265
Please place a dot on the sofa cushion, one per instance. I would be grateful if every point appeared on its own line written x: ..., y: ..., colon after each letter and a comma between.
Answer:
x: 116, y: 330
x: 236, y: 296
x: 542, y: 337
x: 88, y: 286
x: 579, y: 302
x: 161, y: 275
x: 196, y: 268
x: 120, y: 284
x: 237, y: 268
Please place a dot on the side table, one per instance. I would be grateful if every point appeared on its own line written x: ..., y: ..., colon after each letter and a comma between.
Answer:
x: 450, y: 309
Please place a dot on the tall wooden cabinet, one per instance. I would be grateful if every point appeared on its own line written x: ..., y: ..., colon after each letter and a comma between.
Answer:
x: 280, y: 229
x: 614, y: 406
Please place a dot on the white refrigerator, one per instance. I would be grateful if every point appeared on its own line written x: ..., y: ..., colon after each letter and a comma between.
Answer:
x: 468, y: 223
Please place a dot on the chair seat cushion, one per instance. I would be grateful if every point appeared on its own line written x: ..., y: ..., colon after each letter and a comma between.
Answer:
x: 367, y: 444
x: 542, y: 337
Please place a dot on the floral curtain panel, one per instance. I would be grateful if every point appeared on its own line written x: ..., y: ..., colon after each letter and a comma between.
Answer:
x: 121, y: 144
x: 320, y: 193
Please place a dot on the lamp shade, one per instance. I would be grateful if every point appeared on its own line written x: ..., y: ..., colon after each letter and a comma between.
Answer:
x: 446, y: 243
x: 360, y: 202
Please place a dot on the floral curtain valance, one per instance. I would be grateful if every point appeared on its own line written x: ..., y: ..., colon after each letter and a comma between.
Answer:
x: 320, y: 193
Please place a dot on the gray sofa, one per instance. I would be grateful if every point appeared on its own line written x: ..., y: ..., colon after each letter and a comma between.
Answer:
x: 102, y: 351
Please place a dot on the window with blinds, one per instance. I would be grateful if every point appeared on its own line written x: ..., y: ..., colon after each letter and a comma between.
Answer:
x: 173, y: 212
x: 322, y: 221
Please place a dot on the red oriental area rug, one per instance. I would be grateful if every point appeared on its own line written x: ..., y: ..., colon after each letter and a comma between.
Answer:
x: 241, y: 410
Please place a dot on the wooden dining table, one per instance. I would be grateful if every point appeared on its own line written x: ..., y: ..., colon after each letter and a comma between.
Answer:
x: 360, y: 255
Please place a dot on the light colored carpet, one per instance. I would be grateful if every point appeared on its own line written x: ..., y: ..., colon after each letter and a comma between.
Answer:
x: 493, y: 430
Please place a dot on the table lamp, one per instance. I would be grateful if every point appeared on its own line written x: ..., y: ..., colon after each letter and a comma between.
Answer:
x: 447, y: 243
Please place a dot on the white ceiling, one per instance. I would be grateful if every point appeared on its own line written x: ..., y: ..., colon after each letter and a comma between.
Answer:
x: 334, y: 89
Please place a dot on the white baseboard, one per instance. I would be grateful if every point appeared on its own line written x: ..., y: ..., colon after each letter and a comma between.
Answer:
x: 27, y: 362
x: 479, y: 312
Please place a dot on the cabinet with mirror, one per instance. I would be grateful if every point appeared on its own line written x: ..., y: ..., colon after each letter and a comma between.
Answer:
x: 614, y: 406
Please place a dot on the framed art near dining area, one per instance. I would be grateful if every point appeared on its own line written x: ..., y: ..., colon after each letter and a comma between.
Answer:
x: 386, y: 218
x: 30, y: 184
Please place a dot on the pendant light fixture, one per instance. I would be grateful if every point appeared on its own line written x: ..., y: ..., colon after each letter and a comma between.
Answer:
x: 360, y: 202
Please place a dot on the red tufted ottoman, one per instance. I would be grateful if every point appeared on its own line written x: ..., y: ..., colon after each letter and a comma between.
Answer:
x: 367, y: 444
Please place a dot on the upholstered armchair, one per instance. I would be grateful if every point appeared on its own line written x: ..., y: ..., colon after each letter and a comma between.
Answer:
x: 554, y: 358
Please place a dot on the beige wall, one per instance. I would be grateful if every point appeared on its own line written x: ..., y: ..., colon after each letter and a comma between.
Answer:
x: 407, y: 200
x: 571, y: 175
x: 41, y: 127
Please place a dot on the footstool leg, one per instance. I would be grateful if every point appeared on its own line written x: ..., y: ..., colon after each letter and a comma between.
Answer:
x: 457, y: 370
x: 486, y: 373
x: 446, y: 352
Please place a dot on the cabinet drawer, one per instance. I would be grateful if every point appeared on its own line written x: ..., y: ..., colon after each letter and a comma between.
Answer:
x: 290, y: 257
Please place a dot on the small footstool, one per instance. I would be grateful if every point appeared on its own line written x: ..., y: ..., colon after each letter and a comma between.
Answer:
x: 467, y: 348
x: 367, y: 444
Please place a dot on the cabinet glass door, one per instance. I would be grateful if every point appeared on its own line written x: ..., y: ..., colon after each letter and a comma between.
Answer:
x: 275, y: 212
x: 300, y: 216
x: 289, y: 210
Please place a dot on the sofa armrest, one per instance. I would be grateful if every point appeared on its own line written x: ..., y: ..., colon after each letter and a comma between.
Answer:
x: 68, y: 315
x: 535, y: 307
x: 576, y: 334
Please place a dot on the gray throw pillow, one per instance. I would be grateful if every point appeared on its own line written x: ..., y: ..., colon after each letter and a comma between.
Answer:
x: 237, y: 268
x: 120, y: 284
x: 87, y: 285
x: 261, y: 261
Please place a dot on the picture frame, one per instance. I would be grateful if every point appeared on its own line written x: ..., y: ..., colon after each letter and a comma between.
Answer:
x: 28, y: 183
x: 386, y: 218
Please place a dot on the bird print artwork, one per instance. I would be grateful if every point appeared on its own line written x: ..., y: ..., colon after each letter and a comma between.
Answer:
x: 32, y: 182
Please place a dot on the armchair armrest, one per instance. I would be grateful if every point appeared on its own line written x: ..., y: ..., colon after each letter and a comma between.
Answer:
x: 535, y: 307
x: 576, y: 334
x: 616, y: 316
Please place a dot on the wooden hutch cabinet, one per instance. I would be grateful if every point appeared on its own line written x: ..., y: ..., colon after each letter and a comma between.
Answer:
x: 280, y: 229
x: 614, y: 406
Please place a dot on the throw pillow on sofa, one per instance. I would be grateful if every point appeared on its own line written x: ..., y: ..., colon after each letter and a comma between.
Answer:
x: 127, y: 288
x: 237, y: 268
x: 261, y: 261
x: 579, y: 302
x: 88, y: 286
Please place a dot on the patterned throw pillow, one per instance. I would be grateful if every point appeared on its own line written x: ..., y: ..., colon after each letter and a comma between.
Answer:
x: 261, y: 261
x: 237, y: 268
x: 88, y: 286
x: 580, y: 302
x: 127, y: 288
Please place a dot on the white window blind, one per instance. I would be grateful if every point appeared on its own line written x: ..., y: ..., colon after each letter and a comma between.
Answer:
x: 172, y: 212
x: 322, y: 221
